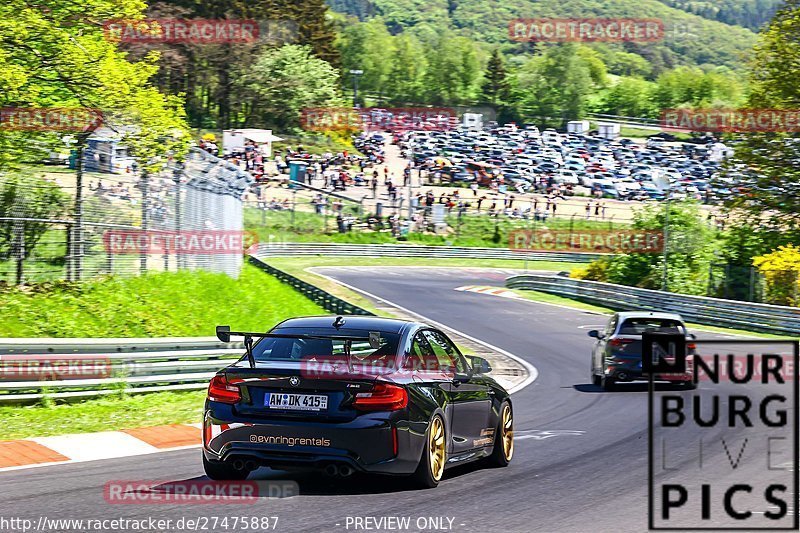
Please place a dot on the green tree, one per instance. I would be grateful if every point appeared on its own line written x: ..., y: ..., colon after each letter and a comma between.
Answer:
x: 285, y: 80
x: 406, y: 80
x: 554, y: 87
x: 629, y: 97
x: 315, y: 30
x: 691, y: 245
x: 60, y: 57
x: 206, y: 72
x: 454, y: 69
x: 765, y: 165
x: 369, y: 47
x: 27, y: 196
x: 495, y: 89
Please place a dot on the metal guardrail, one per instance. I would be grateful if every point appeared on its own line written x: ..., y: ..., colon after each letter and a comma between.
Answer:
x: 324, y: 299
x: 97, y: 367
x: 267, y: 250
x: 703, y: 310
x: 32, y: 369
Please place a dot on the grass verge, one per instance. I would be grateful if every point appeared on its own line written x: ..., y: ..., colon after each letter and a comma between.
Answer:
x: 168, y: 304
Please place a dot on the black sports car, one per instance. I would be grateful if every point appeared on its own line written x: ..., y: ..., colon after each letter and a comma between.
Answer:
x: 354, y: 394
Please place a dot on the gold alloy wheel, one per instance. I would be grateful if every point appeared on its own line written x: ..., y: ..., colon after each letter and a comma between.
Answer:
x: 436, y: 448
x: 508, y: 433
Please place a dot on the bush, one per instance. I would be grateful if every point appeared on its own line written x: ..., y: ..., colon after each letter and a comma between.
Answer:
x: 594, y: 271
x: 781, y: 271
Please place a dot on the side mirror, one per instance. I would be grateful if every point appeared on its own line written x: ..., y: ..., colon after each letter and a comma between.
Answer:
x: 691, y: 336
x: 224, y: 333
x: 480, y: 365
x: 594, y: 333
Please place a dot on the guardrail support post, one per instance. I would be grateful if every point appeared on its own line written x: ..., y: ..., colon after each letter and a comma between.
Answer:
x: 19, y: 250
x: 68, y: 258
x: 144, y: 190
x: 77, y: 240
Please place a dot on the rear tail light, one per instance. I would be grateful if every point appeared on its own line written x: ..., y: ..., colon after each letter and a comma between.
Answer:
x: 620, y: 342
x: 221, y: 390
x: 383, y: 397
x: 691, y: 346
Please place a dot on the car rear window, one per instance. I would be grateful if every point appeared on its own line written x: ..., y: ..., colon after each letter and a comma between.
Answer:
x: 637, y: 326
x: 286, y: 349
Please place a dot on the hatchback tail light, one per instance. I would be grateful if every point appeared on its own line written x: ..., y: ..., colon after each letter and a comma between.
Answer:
x: 221, y: 390
x: 383, y: 397
x: 620, y: 342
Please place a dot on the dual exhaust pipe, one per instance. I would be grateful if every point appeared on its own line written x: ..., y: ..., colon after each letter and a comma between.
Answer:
x: 332, y: 470
x: 248, y: 465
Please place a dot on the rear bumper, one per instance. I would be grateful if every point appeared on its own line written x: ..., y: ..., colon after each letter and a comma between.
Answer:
x: 384, y: 442
x: 634, y: 373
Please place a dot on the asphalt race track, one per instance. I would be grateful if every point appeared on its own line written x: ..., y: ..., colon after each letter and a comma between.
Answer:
x: 580, y: 461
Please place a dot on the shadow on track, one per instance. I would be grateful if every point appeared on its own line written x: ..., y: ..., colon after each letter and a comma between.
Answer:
x: 625, y: 387
x: 313, y: 483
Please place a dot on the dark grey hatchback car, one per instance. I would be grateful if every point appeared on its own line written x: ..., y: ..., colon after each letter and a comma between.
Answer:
x: 617, y: 354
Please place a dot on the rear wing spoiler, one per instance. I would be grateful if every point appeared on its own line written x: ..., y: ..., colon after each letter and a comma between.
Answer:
x: 224, y: 334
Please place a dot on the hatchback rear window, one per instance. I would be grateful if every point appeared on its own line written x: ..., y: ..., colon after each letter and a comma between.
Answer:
x: 637, y: 326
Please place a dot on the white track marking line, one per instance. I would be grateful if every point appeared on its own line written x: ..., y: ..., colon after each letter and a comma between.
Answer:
x: 100, y: 445
x: 533, y: 373
x: 72, y: 461
x: 493, y: 291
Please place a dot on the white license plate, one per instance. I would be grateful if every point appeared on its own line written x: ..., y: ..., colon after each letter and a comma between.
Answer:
x: 296, y: 402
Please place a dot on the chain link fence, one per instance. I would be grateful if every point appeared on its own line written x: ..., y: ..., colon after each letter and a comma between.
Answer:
x: 187, y: 216
x: 749, y: 284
